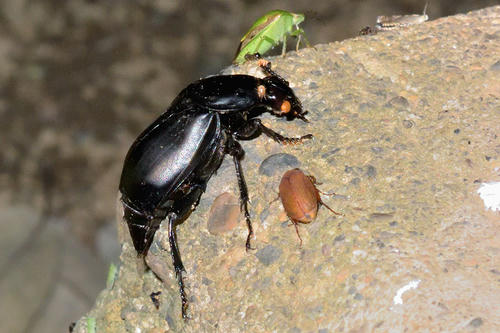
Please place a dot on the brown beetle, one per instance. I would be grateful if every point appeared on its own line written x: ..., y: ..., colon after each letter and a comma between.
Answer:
x: 300, y: 198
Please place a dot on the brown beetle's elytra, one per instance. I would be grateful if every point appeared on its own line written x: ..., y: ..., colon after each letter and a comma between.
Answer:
x: 300, y: 198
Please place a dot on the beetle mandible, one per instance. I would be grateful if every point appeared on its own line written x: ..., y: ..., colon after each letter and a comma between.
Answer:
x: 167, y: 168
x: 300, y: 198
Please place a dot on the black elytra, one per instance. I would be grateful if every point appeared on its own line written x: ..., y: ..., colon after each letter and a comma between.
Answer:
x: 167, y: 168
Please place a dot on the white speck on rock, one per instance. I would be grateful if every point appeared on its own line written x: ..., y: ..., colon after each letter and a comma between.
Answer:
x: 490, y: 193
x: 411, y: 285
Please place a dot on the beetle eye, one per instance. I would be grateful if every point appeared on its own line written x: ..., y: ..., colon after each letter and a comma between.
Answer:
x: 285, y: 107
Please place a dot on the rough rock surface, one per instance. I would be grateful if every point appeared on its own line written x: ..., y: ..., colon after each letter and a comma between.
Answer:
x: 406, y: 128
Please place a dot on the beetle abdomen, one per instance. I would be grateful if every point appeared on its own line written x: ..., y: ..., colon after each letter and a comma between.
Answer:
x: 166, y: 157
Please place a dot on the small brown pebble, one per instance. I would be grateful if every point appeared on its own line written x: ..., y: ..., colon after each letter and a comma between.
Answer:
x: 224, y: 214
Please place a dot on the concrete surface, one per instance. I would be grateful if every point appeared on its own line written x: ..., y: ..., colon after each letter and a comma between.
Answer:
x: 406, y: 130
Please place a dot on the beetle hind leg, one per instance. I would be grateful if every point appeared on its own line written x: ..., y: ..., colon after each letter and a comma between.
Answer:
x: 296, y: 225
x: 236, y: 151
x: 176, y: 258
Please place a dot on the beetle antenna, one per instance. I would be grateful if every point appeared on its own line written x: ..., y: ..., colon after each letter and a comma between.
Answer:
x: 266, y: 68
x: 302, y: 116
x: 265, y: 65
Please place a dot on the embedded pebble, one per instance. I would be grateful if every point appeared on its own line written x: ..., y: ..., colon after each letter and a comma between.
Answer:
x: 495, y: 66
x: 398, y: 101
x: 277, y: 163
x: 268, y: 254
x: 224, y: 214
x: 476, y: 322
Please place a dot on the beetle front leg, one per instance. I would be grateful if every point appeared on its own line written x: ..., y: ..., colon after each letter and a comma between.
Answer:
x: 176, y: 258
x: 283, y: 139
x: 234, y: 149
x: 255, y: 128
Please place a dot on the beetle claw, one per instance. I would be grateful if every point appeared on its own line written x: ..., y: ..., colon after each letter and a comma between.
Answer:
x: 248, y: 245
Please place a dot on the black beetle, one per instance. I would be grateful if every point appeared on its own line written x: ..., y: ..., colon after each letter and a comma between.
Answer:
x: 167, y: 168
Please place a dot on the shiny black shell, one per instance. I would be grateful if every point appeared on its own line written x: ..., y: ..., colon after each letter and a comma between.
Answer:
x: 171, y: 156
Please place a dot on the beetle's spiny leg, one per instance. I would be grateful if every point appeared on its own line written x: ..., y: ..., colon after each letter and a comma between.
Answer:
x: 283, y: 139
x: 244, y: 200
x: 176, y: 258
x: 234, y: 149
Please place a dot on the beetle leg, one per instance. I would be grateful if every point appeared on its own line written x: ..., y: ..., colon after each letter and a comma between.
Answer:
x: 236, y: 151
x: 331, y: 210
x: 255, y: 128
x: 280, y: 138
x: 326, y: 193
x: 176, y: 258
x: 296, y: 225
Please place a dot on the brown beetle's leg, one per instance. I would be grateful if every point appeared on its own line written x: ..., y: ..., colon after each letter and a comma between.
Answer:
x: 315, y: 182
x: 295, y: 224
x: 176, y: 258
x: 326, y: 193
x: 236, y: 151
x: 275, y: 199
x: 331, y: 210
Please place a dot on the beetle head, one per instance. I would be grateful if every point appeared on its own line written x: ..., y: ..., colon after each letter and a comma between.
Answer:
x: 280, y: 97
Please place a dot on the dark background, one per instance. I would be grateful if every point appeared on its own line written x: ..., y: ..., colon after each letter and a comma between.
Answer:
x: 79, y: 80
